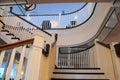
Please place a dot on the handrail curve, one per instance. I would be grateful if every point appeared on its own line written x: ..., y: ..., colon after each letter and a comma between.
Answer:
x: 16, y: 44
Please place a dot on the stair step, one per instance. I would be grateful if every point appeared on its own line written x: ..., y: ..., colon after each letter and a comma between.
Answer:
x: 81, y: 73
x: 10, y: 34
x: 15, y: 38
x: 4, y: 30
x: 78, y: 70
x: 79, y: 76
x: 76, y: 79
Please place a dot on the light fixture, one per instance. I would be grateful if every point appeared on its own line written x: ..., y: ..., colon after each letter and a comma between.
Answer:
x: 75, y: 17
x: 28, y: 7
x: 54, y: 23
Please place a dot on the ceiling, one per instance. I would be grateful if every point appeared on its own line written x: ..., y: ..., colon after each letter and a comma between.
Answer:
x: 6, y: 2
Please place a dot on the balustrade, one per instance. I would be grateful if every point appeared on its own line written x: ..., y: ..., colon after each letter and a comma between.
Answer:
x: 80, y: 59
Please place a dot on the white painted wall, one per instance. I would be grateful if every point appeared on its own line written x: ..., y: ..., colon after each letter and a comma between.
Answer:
x: 87, y: 30
x: 104, y: 60
x: 116, y: 61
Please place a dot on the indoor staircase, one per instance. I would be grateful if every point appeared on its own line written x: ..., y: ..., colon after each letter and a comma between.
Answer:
x: 11, y: 32
x: 78, y: 74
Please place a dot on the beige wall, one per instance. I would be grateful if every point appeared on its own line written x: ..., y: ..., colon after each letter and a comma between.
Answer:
x: 52, y: 60
x: 44, y: 68
x: 116, y: 61
x: 47, y: 64
x: 104, y: 60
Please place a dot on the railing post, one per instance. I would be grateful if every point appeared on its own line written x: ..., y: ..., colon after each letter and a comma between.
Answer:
x: 116, y: 61
x: 34, y: 58
x: 59, y: 20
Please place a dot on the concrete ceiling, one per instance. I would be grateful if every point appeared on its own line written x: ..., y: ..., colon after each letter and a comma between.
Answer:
x: 3, y: 2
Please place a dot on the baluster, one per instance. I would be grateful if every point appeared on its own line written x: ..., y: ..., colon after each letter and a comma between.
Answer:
x: 78, y: 58
x: 75, y: 60
x: 21, y: 63
x: 83, y: 59
x: 89, y: 58
x: 66, y: 60
x: 61, y: 60
x: 72, y: 60
x: 58, y: 60
x: 86, y: 59
x: 20, y: 33
x: 1, y: 57
x: 17, y: 31
x: 10, y: 64
x: 94, y: 61
x: 92, y: 58
x: 82, y: 55
x: 12, y: 30
x: 6, y: 65
x: 22, y: 36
